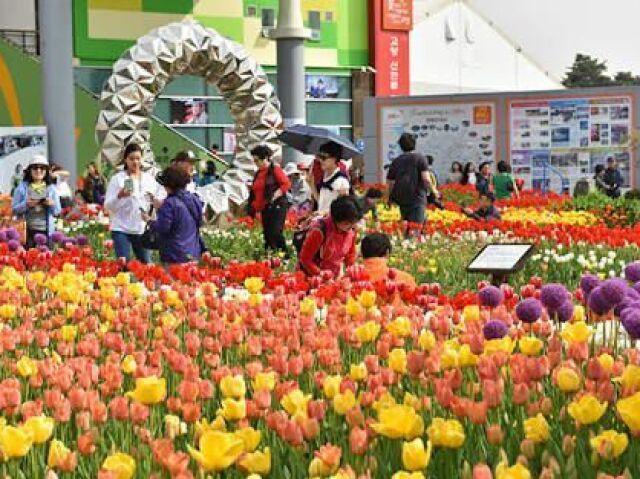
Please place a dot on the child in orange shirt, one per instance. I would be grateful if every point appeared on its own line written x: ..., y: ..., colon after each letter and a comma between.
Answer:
x: 375, y: 249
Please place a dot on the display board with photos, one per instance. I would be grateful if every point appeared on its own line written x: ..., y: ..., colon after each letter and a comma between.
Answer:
x: 569, y: 136
x: 464, y: 132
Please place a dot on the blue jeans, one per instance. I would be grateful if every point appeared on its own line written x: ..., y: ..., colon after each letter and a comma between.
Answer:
x: 413, y: 213
x: 124, y: 242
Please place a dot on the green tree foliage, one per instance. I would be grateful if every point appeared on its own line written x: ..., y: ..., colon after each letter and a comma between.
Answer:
x: 588, y: 71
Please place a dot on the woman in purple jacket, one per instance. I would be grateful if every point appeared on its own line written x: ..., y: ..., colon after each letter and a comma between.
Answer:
x: 179, y: 219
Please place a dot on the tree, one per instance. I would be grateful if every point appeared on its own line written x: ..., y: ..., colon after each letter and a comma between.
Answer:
x: 587, y: 72
x: 626, y: 78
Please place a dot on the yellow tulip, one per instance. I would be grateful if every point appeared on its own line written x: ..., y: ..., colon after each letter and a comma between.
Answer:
x: 353, y: 307
x: 587, y: 409
x: 331, y: 386
x: 264, y: 382
x: 250, y: 438
x: 412, y: 401
x: 630, y: 377
x: 233, y: 386
x: 578, y: 313
x: 530, y: 346
x: 8, y: 311
x: 69, y: 332
x: 426, y: 340
x: 503, y: 471
x: 15, y: 441
x: 253, y: 285
x: 628, y: 410
x: 149, y: 390
x: 121, y: 464
x: 295, y: 402
x: 414, y: 455
x: 27, y: 367
x: 384, y: 401
x: 610, y: 444
x: 367, y: 332
x: 399, y: 421
x: 367, y: 299
x: 233, y: 409
x: 358, y: 372
x: 400, y: 327
x: 40, y: 428
x: 257, y: 462
x: 308, y: 307
x: 408, y: 475
x: 173, y: 426
x: 343, y: 403
x: 568, y: 380
x: 504, y: 345
x: 123, y: 279
x: 606, y: 361
x: 129, y: 365
x: 536, y: 429
x: 58, y: 454
x: 446, y: 433
x: 449, y: 358
x: 577, y: 332
x: 398, y: 360
x: 471, y: 313
x: 466, y: 357
x: 255, y: 299
x: 217, y: 450
x: 319, y: 468
x: 203, y: 425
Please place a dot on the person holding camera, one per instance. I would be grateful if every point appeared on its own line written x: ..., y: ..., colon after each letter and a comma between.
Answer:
x: 131, y: 194
x: 36, y: 199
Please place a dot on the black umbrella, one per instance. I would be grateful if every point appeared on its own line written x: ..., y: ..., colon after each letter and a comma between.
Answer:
x: 309, y: 139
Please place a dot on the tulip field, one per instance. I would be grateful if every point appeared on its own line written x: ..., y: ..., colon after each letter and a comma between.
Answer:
x: 240, y: 367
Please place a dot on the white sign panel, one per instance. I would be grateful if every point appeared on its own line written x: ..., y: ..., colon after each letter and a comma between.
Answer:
x: 464, y: 132
x: 499, y: 257
x: 17, y: 147
x: 555, y: 138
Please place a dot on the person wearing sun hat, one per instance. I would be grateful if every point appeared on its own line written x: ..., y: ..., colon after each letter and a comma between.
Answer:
x: 36, y: 200
x: 186, y: 161
x: 299, y: 194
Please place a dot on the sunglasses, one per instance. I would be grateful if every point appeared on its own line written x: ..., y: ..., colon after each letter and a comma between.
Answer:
x: 322, y: 156
x: 39, y: 167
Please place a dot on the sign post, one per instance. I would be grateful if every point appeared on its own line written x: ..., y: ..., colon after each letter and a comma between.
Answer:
x: 501, y: 260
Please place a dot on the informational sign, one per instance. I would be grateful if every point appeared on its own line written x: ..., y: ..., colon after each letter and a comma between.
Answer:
x: 17, y: 147
x: 505, y: 258
x: 321, y: 86
x: 555, y: 139
x: 464, y: 132
x: 390, y: 49
x: 397, y: 15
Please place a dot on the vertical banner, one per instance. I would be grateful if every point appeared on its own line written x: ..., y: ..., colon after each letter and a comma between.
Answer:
x: 390, y: 24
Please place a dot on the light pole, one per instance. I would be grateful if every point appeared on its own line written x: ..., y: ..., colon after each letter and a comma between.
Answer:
x: 290, y: 35
x: 58, y: 100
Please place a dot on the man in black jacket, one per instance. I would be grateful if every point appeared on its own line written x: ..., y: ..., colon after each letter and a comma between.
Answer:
x: 612, y: 178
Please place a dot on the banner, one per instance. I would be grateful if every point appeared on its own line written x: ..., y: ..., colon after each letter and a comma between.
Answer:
x: 569, y: 137
x: 464, y: 132
x: 390, y: 53
x: 397, y: 15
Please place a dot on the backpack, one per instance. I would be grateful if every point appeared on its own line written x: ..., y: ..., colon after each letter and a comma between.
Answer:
x: 300, y: 234
x: 405, y: 188
x: 328, y: 185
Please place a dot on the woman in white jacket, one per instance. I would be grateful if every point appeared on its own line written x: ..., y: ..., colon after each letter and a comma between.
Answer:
x: 130, y: 193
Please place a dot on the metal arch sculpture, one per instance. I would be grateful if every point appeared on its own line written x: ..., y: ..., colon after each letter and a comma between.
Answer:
x: 188, y: 48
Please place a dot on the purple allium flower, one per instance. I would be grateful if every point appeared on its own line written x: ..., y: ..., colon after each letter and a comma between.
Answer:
x: 598, y: 302
x: 12, y: 234
x: 490, y: 296
x: 495, y: 329
x: 631, y: 323
x: 614, y: 289
x: 588, y: 282
x: 40, y: 239
x: 14, y: 245
x: 631, y: 296
x: 82, y: 240
x: 57, y: 237
x: 636, y: 287
x: 629, y: 310
x: 529, y: 310
x: 565, y: 312
x: 43, y: 248
x: 3, y: 236
x: 553, y: 295
x: 632, y: 272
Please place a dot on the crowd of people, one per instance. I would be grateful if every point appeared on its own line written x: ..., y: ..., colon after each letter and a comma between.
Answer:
x: 165, y: 213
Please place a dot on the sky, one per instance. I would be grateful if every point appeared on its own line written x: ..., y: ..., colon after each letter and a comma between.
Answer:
x: 551, y: 32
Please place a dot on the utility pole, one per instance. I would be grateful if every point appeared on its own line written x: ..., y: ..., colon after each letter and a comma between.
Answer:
x: 290, y: 35
x: 58, y: 95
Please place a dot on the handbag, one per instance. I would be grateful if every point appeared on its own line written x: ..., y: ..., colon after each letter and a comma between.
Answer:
x: 150, y: 238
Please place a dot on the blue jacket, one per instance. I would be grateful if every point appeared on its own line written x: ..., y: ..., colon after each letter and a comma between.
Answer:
x: 178, y: 227
x: 19, y: 203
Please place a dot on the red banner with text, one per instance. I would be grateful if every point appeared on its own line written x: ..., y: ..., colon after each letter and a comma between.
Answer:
x: 390, y: 50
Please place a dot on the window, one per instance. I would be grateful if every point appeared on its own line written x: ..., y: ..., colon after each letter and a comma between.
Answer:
x: 268, y: 17
x: 314, y: 20
x: 328, y: 17
x: 252, y: 11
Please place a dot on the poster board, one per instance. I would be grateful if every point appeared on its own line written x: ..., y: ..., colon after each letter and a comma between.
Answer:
x: 190, y: 111
x: 448, y: 131
x: 570, y: 135
x: 17, y: 147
